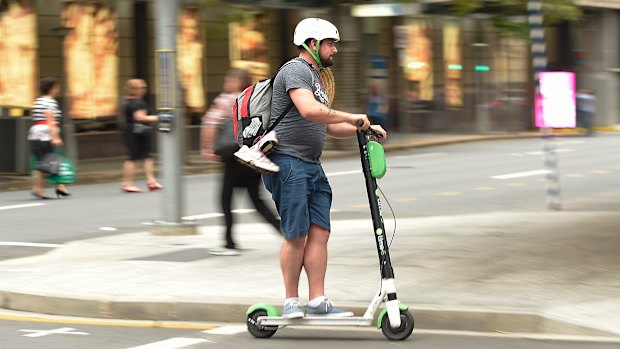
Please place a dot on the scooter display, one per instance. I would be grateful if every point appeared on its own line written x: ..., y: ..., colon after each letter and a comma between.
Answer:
x: 395, y: 320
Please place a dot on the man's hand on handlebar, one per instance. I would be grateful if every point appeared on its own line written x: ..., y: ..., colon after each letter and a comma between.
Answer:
x: 360, y: 121
x: 376, y: 131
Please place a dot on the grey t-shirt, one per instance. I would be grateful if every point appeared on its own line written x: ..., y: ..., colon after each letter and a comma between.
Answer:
x: 297, y: 136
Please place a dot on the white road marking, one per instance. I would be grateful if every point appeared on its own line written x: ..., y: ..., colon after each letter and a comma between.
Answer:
x: 108, y: 229
x: 20, y: 206
x: 227, y: 330
x: 521, y: 174
x: 570, y: 142
x: 172, y: 343
x: 27, y: 244
x: 540, y: 152
x: 216, y: 214
x: 63, y: 330
x: 424, y: 155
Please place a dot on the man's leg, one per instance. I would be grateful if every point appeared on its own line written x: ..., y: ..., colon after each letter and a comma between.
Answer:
x: 315, y: 260
x: 291, y: 261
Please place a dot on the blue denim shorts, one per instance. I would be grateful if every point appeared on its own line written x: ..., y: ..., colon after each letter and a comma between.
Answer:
x: 302, y: 195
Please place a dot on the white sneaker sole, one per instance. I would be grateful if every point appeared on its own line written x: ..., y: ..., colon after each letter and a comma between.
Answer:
x: 252, y: 164
x: 297, y: 315
x: 345, y: 314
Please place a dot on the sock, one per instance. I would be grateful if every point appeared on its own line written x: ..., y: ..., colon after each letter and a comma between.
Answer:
x: 290, y: 300
x: 316, y: 301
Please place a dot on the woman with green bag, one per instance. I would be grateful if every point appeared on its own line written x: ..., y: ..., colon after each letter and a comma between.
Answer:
x: 44, y: 135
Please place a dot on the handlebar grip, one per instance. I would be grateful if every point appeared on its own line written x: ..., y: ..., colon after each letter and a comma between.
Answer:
x: 359, y: 123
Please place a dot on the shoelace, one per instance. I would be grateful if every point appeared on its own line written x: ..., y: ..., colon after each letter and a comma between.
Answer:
x: 328, y: 304
x: 294, y: 304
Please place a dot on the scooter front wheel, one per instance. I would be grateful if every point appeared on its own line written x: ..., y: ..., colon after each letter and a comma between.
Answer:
x: 257, y: 330
x: 403, y: 331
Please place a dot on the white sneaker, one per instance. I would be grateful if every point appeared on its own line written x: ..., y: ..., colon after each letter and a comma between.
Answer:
x: 268, y: 142
x: 256, y: 159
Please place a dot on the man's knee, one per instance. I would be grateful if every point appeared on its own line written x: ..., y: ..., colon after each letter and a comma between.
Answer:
x: 318, y: 234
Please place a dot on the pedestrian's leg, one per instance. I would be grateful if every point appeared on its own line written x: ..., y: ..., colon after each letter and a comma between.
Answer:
x: 253, y: 186
x: 291, y: 261
x: 226, y: 204
x: 315, y: 260
x: 129, y: 168
x: 590, y: 123
x: 149, y: 170
x: 37, y: 182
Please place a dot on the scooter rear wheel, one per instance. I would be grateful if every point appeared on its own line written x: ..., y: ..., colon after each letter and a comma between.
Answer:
x: 256, y: 330
x: 403, y: 331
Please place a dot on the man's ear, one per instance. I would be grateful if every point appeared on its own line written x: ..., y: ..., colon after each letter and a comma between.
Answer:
x: 313, y: 45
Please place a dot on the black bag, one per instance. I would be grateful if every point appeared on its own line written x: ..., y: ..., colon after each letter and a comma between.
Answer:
x: 141, y: 129
x: 225, y: 142
x: 50, y: 164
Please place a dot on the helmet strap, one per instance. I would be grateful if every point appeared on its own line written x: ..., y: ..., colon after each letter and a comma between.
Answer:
x: 313, y: 54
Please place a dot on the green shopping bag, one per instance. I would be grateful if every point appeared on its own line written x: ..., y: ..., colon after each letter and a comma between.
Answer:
x: 66, y: 172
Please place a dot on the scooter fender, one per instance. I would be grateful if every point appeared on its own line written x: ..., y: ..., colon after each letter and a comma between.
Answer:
x: 403, y: 307
x: 270, y: 309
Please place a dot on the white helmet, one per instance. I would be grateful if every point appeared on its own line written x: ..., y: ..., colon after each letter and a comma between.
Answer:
x: 314, y: 28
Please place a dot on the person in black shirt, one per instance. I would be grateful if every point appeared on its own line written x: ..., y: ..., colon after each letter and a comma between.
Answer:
x: 137, y: 136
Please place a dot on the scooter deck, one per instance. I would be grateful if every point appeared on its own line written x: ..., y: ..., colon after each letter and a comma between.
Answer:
x: 315, y: 320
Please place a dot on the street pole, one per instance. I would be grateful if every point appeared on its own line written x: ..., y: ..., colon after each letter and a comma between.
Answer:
x: 539, y: 64
x: 171, y: 124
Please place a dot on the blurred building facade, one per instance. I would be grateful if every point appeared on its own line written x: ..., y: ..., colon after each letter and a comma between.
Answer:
x: 440, y: 73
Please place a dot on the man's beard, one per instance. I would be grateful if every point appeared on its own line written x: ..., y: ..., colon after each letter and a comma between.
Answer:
x: 326, y: 63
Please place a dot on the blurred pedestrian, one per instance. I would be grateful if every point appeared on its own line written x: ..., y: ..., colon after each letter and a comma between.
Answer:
x: 44, y: 135
x: 376, y: 106
x: 586, y: 109
x: 137, y: 135
x: 235, y: 174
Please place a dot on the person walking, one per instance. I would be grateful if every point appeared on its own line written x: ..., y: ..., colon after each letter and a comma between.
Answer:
x: 586, y: 110
x: 376, y: 106
x: 137, y: 137
x: 235, y: 175
x: 44, y: 134
x: 300, y: 189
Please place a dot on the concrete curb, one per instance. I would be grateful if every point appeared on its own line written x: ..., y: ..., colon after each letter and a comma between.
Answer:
x: 426, y: 317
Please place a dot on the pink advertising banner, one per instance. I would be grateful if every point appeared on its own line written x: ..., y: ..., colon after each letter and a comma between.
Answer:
x: 555, y: 106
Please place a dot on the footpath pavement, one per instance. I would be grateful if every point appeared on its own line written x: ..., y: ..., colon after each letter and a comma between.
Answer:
x: 534, y: 271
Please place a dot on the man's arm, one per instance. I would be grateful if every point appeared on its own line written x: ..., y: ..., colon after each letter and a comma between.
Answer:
x: 344, y: 130
x: 319, y: 113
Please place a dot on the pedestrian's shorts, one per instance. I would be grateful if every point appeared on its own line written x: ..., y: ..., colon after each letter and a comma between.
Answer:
x: 302, y: 195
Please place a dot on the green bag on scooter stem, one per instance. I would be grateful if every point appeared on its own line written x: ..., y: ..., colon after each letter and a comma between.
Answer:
x: 376, y: 157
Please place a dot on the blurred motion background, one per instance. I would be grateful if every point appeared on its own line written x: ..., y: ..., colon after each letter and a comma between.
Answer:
x: 461, y: 66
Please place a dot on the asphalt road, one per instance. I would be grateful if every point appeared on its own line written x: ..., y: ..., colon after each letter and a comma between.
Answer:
x: 80, y: 334
x: 446, y: 180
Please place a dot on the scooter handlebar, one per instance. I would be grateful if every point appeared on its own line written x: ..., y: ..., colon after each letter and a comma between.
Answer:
x: 369, y: 130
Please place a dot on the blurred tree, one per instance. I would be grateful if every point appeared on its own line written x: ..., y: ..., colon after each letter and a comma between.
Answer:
x: 510, y: 16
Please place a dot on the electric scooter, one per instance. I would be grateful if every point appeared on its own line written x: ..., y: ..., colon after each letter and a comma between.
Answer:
x: 395, y: 320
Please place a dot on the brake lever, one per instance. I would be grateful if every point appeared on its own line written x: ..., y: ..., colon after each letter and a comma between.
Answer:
x: 369, y: 131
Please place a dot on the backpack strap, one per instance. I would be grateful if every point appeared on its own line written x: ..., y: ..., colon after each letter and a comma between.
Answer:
x: 290, y: 105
